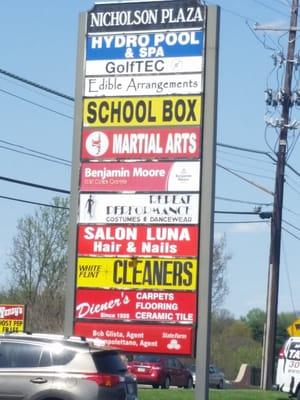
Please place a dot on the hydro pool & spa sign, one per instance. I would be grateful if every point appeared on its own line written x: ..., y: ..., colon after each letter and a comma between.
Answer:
x: 137, y: 172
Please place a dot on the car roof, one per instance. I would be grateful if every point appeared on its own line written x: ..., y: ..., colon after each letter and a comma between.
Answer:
x: 71, y: 341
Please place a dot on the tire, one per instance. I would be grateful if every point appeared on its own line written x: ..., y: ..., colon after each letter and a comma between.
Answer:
x: 189, y: 383
x: 167, y: 382
x: 155, y: 386
x: 220, y: 385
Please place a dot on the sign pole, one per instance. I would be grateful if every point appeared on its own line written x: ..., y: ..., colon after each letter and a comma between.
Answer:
x: 207, y: 203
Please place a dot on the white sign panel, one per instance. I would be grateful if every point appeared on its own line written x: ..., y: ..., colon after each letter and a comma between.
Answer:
x: 147, y: 66
x: 156, y: 208
x: 135, y: 85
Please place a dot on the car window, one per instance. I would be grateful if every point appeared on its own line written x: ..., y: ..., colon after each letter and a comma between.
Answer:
x: 19, y: 355
x: 62, y: 356
x: 147, y: 358
x: 109, y: 362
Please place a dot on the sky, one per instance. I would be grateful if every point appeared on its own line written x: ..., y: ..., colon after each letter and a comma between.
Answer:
x: 38, y: 42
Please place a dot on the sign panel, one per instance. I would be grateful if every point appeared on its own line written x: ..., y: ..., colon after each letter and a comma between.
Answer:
x: 142, y: 306
x: 144, y: 45
x: 294, y: 328
x: 135, y: 85
x: 137, y: 273
x: 138, y: 240
x: 162, y: 143
x: 156, y: 208
x: 138, y: 111
x: 12, y: 318
x: 147, y: 66
x: 165, y: 339
x: 140, y: 176
x: 145, y: 16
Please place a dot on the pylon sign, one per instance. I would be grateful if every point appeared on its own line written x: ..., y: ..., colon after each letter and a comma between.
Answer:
x: 294, y: 328
x: 137, y: 171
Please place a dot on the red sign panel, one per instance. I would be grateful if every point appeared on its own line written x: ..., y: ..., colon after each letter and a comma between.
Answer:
x: 12, y: 311
x: 165, y: 339
x: 138, y: 240
x: 163, y: 143
x: 150, y: 306
x: 179, y: 176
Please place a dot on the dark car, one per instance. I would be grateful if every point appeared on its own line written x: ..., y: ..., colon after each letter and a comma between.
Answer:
x: 160, y: 371
x: 216, y: 378
x: 45, y: 367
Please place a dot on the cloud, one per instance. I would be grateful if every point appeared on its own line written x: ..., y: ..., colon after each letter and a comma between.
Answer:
x: 249, y: 228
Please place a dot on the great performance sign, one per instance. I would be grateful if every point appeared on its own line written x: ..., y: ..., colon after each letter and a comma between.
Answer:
x: 156, y: 208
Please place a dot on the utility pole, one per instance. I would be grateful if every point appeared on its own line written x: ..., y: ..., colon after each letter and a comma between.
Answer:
x: 274, y: 257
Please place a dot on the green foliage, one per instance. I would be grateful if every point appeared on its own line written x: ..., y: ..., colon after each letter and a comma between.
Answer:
x: 232, y: 344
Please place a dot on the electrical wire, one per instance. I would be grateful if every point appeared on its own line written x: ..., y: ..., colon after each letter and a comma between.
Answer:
x: 36, y: 85
x: 25, y: 183
x: 35, y: 104
x: 32, y: 202
x: 270, y: 8
x: 243, y: 201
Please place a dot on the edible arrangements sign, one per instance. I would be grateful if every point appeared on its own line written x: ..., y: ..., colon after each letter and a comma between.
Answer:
x: 134, y: 259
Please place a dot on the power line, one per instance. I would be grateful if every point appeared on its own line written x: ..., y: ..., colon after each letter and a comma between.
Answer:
x: 35, y: 104
x: 3, y: 178
x: 241, y: 222
x: 32, y: 202
x: 243, y: 201
x: 36, y: 85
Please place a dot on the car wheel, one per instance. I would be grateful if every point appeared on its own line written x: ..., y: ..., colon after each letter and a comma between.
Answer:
x: 166, y: 384
x: 220, y: 385
x: 155, y: 386
x: 189, y: 383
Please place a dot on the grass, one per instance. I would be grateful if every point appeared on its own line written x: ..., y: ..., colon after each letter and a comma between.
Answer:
x: 214, y: 394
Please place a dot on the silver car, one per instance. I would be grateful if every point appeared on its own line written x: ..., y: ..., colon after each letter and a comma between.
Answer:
x: 216, y: 378
x: 45, y: 367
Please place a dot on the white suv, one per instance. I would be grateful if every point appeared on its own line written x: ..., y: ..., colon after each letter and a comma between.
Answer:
x: 47, y: 367
x: 288, y: 367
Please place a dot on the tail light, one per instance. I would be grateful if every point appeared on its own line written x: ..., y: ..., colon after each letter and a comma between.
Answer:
x: 281, y: 353
x: 104, y: 380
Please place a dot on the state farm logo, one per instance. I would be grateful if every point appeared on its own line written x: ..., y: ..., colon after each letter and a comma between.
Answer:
x: 97, y: 143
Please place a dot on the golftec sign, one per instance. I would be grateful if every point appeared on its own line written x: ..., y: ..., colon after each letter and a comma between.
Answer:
x: 138, y: 203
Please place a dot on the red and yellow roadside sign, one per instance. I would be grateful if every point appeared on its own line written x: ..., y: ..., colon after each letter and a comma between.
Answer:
x: 12, y: 318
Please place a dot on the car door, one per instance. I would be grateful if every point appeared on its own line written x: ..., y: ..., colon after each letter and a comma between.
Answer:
x: 20, y: 375
x: 213, y: 376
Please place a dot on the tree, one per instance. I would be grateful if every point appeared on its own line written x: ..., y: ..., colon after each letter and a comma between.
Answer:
x: 255, y: 320
x: 37, y: 264
x: 219, y: 285
x: 232, y: 344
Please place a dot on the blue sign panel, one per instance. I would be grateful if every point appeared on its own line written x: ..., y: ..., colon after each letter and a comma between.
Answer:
x: 145, y: 45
